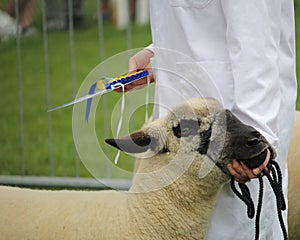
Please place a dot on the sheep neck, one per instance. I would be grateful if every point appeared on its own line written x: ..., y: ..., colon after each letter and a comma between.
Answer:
x: 179, y: 210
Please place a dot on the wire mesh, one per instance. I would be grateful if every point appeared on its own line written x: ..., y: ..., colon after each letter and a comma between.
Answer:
x: 48, y: 83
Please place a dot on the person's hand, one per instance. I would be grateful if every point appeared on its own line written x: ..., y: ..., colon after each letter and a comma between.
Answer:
x: 242, y: 173
x: 139, y: 61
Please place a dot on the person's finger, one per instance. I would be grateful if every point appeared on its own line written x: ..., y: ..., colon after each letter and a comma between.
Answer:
x: 138, y: 84
x: 133, y: 65
x: 242, y: 173
x: 237, y: 176
x: 263, y: 165
x: 128, y: 87
x: 151, y: 76
x: 140, y: 60
x: 248, y: 171
x: 239, y: 169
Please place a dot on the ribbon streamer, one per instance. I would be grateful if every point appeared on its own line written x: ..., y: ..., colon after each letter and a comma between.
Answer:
x: 103, y: 86
x: 121, y: 119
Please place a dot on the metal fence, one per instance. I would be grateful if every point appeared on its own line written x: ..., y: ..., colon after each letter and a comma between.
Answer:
x: 121, y: 12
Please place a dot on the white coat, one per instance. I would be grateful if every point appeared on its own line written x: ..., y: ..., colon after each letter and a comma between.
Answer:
x: 248, y: 49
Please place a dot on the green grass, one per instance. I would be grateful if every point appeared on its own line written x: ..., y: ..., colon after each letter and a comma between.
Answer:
x: 36, y: 151
x: 34, y: 95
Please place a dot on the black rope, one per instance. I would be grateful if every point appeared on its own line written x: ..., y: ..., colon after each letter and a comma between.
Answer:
x: 245, y: 198
x: 279, y: 185
x: 277, y: 188
x: 275, y: 180
x: 259, y: 205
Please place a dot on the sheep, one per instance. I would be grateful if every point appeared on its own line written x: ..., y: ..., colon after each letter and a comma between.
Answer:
x: 294, y: 182
x: 181, y: 171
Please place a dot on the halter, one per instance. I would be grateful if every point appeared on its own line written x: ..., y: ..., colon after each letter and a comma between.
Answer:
x: 275, y: 180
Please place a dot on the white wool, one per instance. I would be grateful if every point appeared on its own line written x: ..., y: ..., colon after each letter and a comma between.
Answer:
x: 179, y: 210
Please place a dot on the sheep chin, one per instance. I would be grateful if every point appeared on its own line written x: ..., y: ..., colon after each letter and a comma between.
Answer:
x: 257, y: 160
x: 251, y: 163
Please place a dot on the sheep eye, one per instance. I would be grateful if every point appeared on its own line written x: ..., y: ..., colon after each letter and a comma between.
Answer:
x: 177, y: 131
x: 205, y: 141
x: 186, y: 127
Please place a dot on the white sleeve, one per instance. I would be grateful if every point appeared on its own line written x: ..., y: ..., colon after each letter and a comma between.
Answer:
x: 253, y: 38
x: 150, y: 47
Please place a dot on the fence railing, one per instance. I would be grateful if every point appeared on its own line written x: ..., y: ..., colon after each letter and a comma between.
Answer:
x: 121, y: 12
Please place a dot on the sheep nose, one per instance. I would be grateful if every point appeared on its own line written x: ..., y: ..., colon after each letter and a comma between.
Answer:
x: 255, y: 140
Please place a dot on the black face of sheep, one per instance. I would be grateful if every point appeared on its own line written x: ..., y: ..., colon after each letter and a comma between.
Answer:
x: 242, y: 142
x: 246, y: 143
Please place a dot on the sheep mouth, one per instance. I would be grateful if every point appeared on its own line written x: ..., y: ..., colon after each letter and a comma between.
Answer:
x: 257, y: 160
x: 252, y: 162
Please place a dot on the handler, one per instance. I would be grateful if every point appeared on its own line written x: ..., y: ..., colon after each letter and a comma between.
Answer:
x: 248, y: 49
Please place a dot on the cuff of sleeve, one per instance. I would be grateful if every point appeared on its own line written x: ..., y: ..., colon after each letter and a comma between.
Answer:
x: 150, y: 47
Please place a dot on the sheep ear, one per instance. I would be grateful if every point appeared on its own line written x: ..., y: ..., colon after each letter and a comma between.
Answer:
x: 136, y: 142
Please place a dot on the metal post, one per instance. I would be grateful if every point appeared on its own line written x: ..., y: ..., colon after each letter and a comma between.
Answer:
x: 48, y: 94
x: 104, y: 99
x: 73, y: 74
x: 20, y: 79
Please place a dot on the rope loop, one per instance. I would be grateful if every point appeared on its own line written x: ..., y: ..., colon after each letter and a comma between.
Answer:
x: 275, y: 179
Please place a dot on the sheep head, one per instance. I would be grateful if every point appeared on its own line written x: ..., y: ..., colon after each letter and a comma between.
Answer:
x: 203, y: 126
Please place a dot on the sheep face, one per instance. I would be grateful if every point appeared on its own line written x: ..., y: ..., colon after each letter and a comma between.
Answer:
x: 203, y: 126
